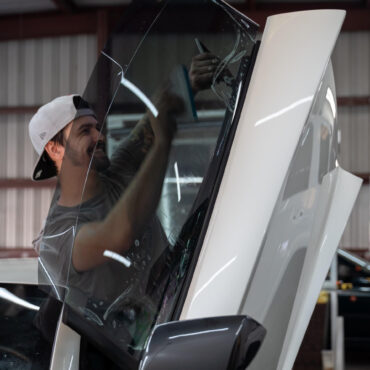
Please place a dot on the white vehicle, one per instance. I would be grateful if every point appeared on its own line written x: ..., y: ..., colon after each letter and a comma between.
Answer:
x: 253, y: 202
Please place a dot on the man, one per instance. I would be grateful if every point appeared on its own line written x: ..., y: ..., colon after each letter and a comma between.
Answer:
x: 110, y: 209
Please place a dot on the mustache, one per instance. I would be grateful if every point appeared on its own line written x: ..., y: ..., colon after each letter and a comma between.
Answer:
x: 99, y: 145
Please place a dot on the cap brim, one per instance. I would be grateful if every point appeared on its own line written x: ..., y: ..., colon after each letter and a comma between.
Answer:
x: 44, y: 169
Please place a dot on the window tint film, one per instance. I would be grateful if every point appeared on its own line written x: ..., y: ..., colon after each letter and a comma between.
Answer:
x: 163, y: 104
x: 55, y: 241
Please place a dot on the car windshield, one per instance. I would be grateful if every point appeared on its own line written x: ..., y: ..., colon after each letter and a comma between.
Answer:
x: 172, y: 73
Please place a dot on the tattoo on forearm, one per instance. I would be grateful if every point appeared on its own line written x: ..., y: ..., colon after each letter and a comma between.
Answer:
x: 142, y: 136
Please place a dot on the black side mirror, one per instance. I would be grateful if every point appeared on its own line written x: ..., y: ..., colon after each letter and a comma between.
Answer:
x: 217, y: 343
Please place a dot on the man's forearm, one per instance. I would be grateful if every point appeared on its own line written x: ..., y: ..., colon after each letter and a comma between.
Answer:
x: 141, y: 138
x: 140, y: 200
x: 133, y: 149
x: 128, y: 217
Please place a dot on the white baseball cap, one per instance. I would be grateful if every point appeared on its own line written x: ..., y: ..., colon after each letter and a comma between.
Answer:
x: 47, y: 122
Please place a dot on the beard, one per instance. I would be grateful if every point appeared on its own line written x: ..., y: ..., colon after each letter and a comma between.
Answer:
x: 99, y: 159
x: 95, y: 157
x: 100, y: 163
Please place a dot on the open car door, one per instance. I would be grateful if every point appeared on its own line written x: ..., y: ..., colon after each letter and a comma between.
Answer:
x: 114, y: 307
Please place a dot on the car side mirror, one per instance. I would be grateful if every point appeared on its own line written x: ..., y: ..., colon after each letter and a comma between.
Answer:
x: 218, y: 343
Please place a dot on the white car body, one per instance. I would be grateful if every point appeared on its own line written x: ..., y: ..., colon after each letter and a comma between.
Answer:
x: 246, y: 255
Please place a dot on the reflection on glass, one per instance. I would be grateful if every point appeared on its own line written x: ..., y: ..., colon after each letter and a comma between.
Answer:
x: 144, y: 193
x: 51, y: 272
x: 27, y: 330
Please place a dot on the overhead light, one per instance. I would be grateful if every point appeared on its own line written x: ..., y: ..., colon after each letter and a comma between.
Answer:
x: 5, y: 294
x: 331, y: 101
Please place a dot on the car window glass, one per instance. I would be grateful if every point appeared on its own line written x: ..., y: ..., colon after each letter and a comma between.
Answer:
x: 190, y: 71
x: 28, y: 323
x: 324, y: 152
x: 299, y: 173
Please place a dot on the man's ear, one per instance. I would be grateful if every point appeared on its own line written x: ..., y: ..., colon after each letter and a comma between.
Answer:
x: 55, y: 151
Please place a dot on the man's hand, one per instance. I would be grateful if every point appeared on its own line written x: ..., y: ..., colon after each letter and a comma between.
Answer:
x: 202, y: 69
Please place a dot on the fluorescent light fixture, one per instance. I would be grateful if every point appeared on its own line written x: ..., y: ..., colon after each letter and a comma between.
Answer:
x: 5, y: 294
x: 284, y: 110
x: 71, y: 363
x: 136, y: 91
x: 183, y: 180
x: 331, y: 101
x: 133, y: 88
x: 237, y: 100
x: 198, y: 333
x: 178, y: 183
x: 117, y: 257
x: 213, y: 277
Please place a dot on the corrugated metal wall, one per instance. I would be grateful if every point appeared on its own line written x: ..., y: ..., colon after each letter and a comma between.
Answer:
x: 356, y: 235
x: 33, y: 72
x: 355, y: 157
x: 351, y: 62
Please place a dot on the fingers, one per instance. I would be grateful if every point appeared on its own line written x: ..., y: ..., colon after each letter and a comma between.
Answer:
x: 204, y: 80
x: 202, y: 70
x: 205, y: 56
x: 205, y: 77
x: 203, y: 64
x: 209, y: 62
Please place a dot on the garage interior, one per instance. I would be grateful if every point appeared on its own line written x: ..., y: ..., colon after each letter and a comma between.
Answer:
x: 49, y: 48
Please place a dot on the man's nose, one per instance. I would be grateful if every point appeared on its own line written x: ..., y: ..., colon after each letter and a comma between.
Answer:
x: 98, y: 135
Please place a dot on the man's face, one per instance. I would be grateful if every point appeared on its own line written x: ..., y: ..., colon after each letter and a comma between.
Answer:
x: 85, y: 142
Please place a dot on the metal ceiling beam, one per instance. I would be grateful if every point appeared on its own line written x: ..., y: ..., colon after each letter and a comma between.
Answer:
x: 87, y: 22
x: 353, y: 101
x: 251, y: 4
x: 18, y: 252
x: 357, y: 19
x: 343, y: 101
x: 19, y: 110
x: 365, y: 176
x: 102, y: 32
x: 65, y: 5
x: 22, y: 183
x: 47, y: 25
